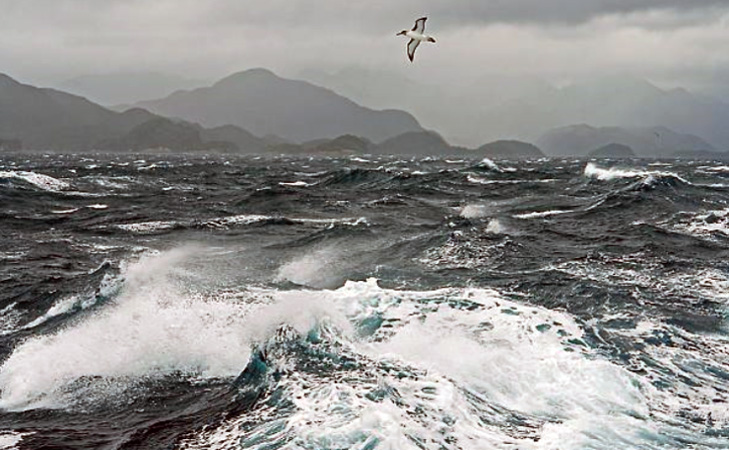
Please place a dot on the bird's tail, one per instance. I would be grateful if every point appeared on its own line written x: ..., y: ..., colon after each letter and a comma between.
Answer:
x: 430, y: 39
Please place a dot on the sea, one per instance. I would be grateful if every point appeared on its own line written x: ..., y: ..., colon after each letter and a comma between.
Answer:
x: 363, y: 302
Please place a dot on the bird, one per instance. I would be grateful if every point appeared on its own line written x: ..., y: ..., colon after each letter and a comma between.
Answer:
x: 416, y: 35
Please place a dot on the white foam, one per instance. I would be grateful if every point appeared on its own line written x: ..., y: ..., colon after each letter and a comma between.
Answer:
x: 460, y: 360
x: 649, y: 177
x: 719, y: 169
x: 592, y: 171
x: 474, y: 211
x: 705, y: 223
x: 10, y: 439
x: 65, y: 211
x: 489, y: 164
x: 232, y: 221
x: 44, y: 182
x: 148, y: 227
x: 495, y: 227
x: 150, y: 330
x: 540, y: 214
x: 241, y: 219
x: 107, y: 286
x: 9, y: 319
x: 296, y: 184
x: 317, y: 268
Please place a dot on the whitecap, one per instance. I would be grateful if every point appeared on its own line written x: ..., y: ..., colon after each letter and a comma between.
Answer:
x: 541, y: 214
x: 489, y: 164
x: 147, y: 227
x: 10, y: 439
x: 65, y: 211
x: 474, y: 211
x: 296, y: 184
x: 41, y: 181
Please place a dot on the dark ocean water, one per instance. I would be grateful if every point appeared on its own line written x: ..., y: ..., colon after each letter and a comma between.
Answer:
x: 188, y: 302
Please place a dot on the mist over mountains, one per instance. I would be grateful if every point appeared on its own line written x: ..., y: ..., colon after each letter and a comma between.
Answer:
x: 256, y: 111
x: 126, y: 88
x: 526, y: 107
x: 264, y: 104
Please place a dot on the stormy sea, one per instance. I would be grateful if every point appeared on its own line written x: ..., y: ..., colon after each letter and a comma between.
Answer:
x: 226, y: 302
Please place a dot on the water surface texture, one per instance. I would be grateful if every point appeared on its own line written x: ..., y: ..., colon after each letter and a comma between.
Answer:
x: 191, y: 302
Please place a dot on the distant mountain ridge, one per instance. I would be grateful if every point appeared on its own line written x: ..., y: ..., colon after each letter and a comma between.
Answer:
x: 498, y: 106
x: 263, y: 103
x: 580, y: 140
x: 33, y: 118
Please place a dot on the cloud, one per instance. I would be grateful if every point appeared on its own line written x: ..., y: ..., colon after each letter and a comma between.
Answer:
x: 44, y: 40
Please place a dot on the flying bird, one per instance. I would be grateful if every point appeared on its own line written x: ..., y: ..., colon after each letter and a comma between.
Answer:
x: 416, y: 35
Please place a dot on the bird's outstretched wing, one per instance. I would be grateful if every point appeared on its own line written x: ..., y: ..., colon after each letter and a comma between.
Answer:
x: 412, y: 45
x: 420, y: 25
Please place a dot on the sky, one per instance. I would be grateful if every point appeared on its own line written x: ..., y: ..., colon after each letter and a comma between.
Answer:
x: 671, y: 42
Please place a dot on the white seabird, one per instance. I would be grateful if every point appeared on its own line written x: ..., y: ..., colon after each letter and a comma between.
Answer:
x: 416, y: 35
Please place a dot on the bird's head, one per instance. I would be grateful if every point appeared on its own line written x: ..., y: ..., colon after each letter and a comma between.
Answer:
x: 402, y: 33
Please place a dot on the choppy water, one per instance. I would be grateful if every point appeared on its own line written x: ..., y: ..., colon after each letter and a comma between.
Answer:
x: 172, y: 302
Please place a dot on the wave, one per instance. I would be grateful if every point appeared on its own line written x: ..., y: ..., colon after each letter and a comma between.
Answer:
x: 443, y: 369
x: 541, y: 214
x: 352, y: 367
x: 649, y: 177
x: 704, y: 224
x: 488, y: 164
x: 150, y: 330
x: 158, y: 226
x: 44, y: 182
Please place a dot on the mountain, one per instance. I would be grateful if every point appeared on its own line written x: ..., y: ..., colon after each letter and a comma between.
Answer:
x: 420, y: 143
x: 163, y: 133
x: 34, y: 118
x: 494, y: 106
x: 51, y: 119
x: 612, y: 150
x: 264, y: 103
x: 455, y: 109
x: 579, y: 140
x: 244, y: 140
x: 127, y: 88
x: 342, y: 145
x: 510, y: 150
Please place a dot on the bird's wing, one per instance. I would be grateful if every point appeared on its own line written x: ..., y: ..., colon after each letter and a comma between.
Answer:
x: 420, y: 25
x: 412, y: 45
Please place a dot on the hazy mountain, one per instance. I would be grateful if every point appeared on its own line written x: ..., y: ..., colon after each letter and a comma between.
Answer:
x: 580, y: 140
x: 126, y: 88
x: 264, y: 103
x: 342, y: 145
x: 46, y: 119
x: 497, y: 107
x: 245, y: 141
x: 613, y: 150
x: 510, y: 149
x: 51, y: 119
x: 419, y: 143
x: 454, y: 109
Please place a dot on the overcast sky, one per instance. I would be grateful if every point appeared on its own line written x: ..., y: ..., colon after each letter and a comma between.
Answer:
x: 679, y: 42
